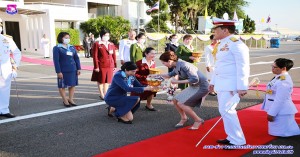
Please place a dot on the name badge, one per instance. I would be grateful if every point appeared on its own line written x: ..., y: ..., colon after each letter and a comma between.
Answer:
x: 69, y: 53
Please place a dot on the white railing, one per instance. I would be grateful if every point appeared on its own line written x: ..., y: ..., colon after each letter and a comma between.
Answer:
x: 57, y: 4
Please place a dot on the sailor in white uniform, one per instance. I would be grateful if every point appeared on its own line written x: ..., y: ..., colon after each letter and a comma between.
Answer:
x: 10, y: 57
x: 278, y: 102
x: 230, y: 77
x: 124, y: 48
x: 209, y: 58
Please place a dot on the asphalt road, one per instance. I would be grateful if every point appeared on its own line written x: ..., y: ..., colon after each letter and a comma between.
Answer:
x: 44, y: 127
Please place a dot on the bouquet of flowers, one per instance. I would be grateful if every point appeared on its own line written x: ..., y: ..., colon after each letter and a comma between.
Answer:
x: 171, y: 88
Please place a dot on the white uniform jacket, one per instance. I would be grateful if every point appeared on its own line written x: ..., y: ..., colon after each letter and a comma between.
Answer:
x: 8, y: 47
x: 278, y: 99
x: 232, y: 67
x: 209, y: 58
x: 124, y: 49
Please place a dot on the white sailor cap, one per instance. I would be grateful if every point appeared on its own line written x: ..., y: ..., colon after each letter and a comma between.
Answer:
x: 217, y: 22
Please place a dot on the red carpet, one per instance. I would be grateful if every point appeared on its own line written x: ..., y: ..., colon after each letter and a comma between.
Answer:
x: 50, y: 63
x: 181, y: 143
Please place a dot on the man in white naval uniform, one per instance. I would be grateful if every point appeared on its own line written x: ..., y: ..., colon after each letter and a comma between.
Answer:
x: 230, y: 77
x: 210, y: 60
x: 8, y: 70
x: 124, y: 48
x: 278, y: 102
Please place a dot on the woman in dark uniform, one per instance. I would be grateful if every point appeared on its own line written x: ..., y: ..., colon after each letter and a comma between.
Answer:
x: 122, y: 105
x: 190, y: 97
x: 104, y: 62
x: 172, y: 46
x: 67, y: 67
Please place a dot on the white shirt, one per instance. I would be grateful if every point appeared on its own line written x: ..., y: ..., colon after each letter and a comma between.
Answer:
x: 232, y: 67
x: 209, y: 58
x: 124, y: 49
x: 144, y: 60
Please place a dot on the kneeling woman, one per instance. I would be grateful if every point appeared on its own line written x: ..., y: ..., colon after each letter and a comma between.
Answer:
x: 116, y: 97
x: 191, y: 96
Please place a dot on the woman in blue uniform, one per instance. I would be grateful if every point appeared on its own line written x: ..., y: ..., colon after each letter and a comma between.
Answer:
x: 67, y: 67
x: 116, y: 97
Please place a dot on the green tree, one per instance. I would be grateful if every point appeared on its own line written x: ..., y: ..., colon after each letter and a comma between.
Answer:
x: 117, y: 25
x: 249, y: 25
x: 163, y: 15
x: 218, y: 7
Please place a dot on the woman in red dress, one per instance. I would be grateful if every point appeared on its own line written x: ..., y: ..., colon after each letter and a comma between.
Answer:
x: 104, y: 58
x: 141, y: 74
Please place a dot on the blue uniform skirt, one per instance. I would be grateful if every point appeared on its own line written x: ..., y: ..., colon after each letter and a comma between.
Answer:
x: 123, y: 104
x: 70, y: 79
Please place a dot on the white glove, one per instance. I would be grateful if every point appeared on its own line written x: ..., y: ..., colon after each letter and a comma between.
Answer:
x: 14, y: 74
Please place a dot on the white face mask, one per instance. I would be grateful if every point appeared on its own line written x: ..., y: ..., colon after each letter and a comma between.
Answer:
x: 105, y: 38
x: 66, y: 41
x: 142, y: 41
x: 174, y: 40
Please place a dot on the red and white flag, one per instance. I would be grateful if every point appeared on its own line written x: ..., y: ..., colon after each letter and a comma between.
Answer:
x: 154, y: 7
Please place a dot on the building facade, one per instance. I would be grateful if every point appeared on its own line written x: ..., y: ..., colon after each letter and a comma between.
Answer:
x: 38, y: 17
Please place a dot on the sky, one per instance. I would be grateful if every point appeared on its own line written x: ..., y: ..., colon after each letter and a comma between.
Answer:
x: 283, y: 13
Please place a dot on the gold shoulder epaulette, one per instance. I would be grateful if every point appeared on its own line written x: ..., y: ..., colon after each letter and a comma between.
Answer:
x: 8, y: 36
x: 234, y: 39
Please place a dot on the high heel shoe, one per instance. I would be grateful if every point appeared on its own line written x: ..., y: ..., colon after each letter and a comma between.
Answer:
x: 181, y: 123
x: 196, y: 125
x: 66, y: 105
x: 72, y: 104
x: 108, y: 112
x: 123, y: 121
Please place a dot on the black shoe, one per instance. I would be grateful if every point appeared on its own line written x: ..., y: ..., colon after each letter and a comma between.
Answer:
x: 212, y: 94
x: 123, y: 121
x: 72, y: 104
x: 66, y: 105
x: 101, y: 98
x: 8, y: 115
x: 108, y: 112
x: 223, y: 141
x: 150, y: 109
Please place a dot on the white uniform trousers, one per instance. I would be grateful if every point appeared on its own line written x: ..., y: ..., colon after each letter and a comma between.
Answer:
x: 284, y: 126
x: 230, y: 119
x: 5, y: 85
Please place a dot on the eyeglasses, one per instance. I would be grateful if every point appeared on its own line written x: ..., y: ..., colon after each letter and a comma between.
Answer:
x: 274, y: 67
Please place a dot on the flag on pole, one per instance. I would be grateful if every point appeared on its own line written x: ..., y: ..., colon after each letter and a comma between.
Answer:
x: 205, y: 14
x: 154, y: 7
x: 262, y: 20
x: 269, y: 19
x: 235, y: 17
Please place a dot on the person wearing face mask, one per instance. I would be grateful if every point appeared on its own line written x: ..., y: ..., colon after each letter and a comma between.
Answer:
x: 142, y: 73
x: 10, y: 57
x: 172, y: 46
x: 136, y: 50
x: 67, y: 66
x: 104, y: 62
x: 124, y: 48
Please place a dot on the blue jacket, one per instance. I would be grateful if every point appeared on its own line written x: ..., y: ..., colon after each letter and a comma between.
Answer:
x: 63, y: 61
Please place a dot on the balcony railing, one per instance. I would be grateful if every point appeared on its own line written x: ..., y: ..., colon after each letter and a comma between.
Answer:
x: 56, y: 4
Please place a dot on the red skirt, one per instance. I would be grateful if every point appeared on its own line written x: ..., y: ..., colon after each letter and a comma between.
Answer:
x: 103, y: 76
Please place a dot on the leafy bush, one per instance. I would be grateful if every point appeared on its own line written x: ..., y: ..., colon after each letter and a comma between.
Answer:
x: 117, y: 25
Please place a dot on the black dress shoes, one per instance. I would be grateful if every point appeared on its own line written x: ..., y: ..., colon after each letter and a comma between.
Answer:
x: 8, y: 115
x: 109, y: 112
x: 223, y: 141
x: 72, y: 104
x: 150, y: 109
